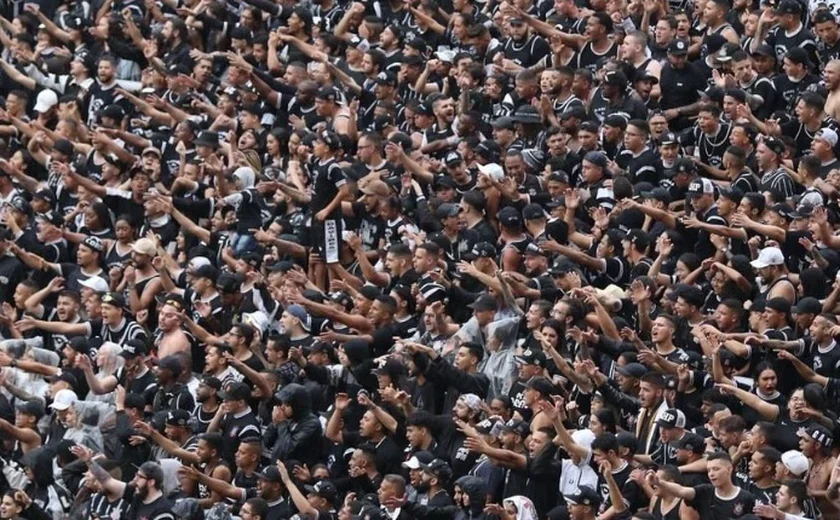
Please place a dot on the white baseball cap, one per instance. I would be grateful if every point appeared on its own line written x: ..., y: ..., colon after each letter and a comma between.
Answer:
x: 828, y: 135
x: 64, y: 399
x: 493, y: 170
x: 46, y: 100
x: 96, y: 283
x: 583, y: 437
x: 795, y: 462
x: 767, y: 257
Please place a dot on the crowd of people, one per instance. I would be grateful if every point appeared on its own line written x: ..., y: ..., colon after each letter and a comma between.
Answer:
x: 419, y: 259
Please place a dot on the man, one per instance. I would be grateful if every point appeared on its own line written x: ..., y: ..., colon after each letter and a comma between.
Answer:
x: 773, y: 274
x: 719, y: 500
x: 633, y: 51
x: 523, y: 50
x: 238, y: 423
x: 434, y: 482
x: 796, y: 77
x: 773, y: 177
x: 680, y: 84
x: 815, y: 443
x: 171, y: 394
x: 831, y: 76
x: 789, y: 501
x: 762, y: 475
x: 789, y: 34
x: 612, y: 98
x: 296, y: 430
x: 637, y: 161
x: 144, y: 492
x: 531, y: 363
x: 114, y: 326
x: 371, y: 429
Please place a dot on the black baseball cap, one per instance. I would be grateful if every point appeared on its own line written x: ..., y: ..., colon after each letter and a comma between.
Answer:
x: 532, y: 357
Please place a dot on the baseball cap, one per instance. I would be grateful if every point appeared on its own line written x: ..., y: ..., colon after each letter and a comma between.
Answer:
x: 485, y: 302
x: 33, y: 408
x: 144, y: 246
x: 636, y: 370
x: 764, y: 50
x: 789, y: 7
x: 691, y: 442
x: 672, y: 418
x: 418, y: 459
x: 80, y: 344
x: 819, y: 434
x: 701, y: 186
x: 300, y: 313
x: 206, y: 271
x: 584, y: 496
x: 796, y: 462
x: 324, y: 489
x: 270, y: 473
x: 46, y: 100
x: 375, y: 187
x: 453, y: 159
x: 114, y: 299
x: 509, y: 217
x: 678, y: 47
x: 669, y: 138
x: 828, y: 135
x: 236, y: 391
x: 807, y: 305
x: 534, y: 250
x: 532, y: 357
x: 472, y: 401
x: 64, y: 399
x: 519, y: 427
x: 94, y: 243
x: 212, y: 382
x: 439, y: 468
x: 533, y: 211
x: 482, y: 250
x: 447, y: 210
x: 45, y: 194
x: 504, y: 123
x: 22, y: 205
x: 133, y: 348
x: 615, y: 78
x: 767, y: 257
x: 178, y: 418
x: 660, y: 194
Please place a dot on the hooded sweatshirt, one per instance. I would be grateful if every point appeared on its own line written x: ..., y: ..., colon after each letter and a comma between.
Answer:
x: 298, y: 437
x: 43, y: 490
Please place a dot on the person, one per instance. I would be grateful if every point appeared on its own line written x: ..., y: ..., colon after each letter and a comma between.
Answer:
x: 719, y: 499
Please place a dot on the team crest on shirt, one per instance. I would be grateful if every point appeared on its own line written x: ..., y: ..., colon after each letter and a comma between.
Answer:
x: 738, y: 510
x: 234, y: 431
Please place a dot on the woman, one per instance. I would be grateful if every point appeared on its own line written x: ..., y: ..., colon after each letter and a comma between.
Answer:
x: 515, y: 508
x: 108, y: 361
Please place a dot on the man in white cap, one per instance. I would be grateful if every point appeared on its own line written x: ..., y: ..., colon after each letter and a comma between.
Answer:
x: 142, y: 280
x: 823, y: 147
x: 772, y: 274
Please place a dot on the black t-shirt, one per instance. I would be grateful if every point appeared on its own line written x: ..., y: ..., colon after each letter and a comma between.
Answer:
x: 160, y: 509
x: 712, y: 507
x: 389, y: 455
x: 328, y: 178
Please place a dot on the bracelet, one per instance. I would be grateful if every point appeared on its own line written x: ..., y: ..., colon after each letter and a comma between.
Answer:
x: 14, y: 363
